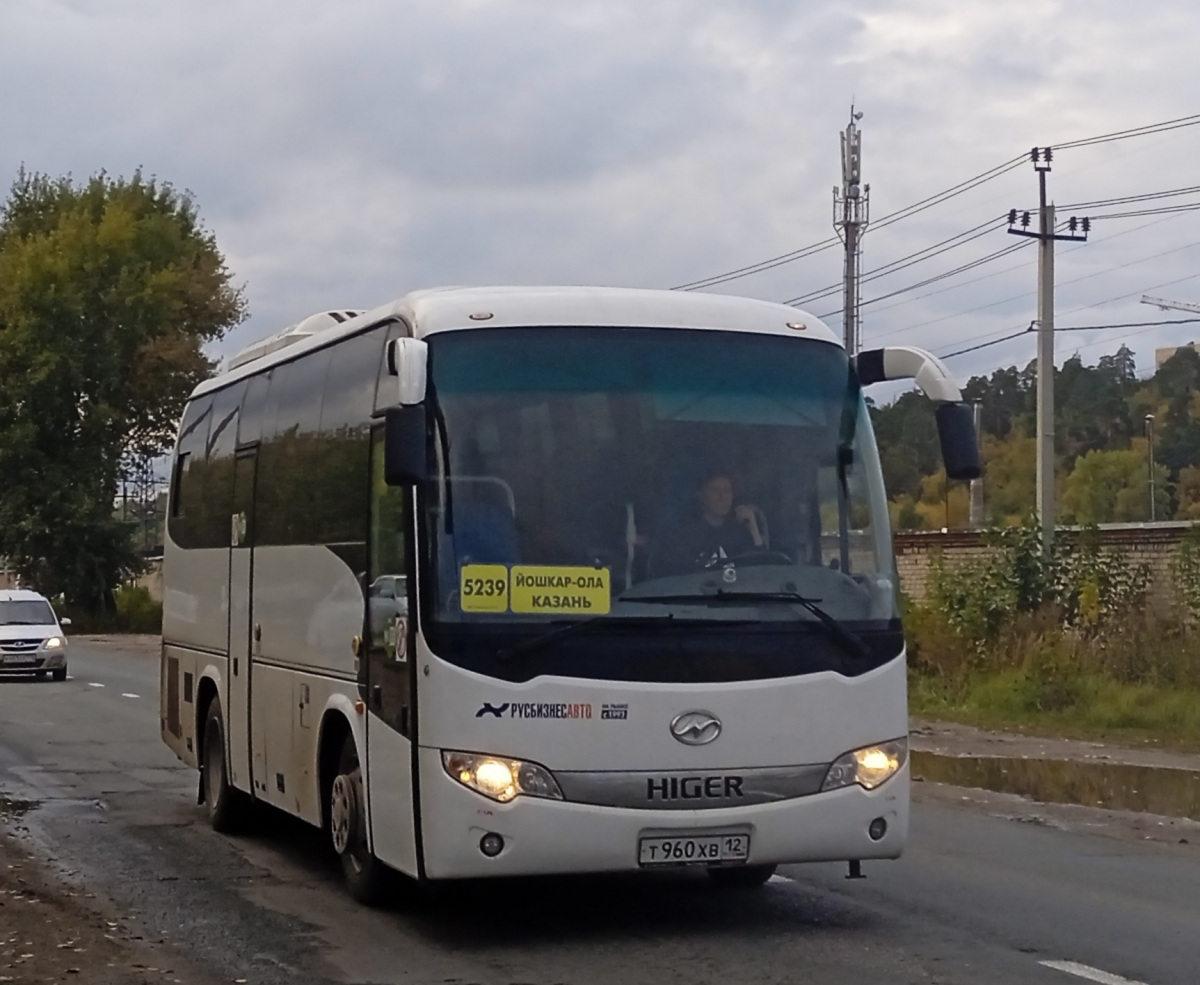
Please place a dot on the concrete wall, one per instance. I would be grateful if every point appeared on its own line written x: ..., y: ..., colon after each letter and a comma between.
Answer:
x: 1152, y: 544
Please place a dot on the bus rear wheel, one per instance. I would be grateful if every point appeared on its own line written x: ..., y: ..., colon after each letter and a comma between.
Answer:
x: 226, y: 806
x: 366, y: 876
x: 742, y: 876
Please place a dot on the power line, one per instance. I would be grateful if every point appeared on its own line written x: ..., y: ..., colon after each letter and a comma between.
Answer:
x: 1072, y: 328
x: 1097, y: 304
x: 1147, y: 130
x: 902, y: 263
x: 952, y: 192
x: 996, y: 255
x: 1024, y: 294
x: 887, y: 220
x: 984, y: 345
x: 756, y: 268
x: 1165, y: 210
x: 1148, y: 196
x: 932, y: 200
x: 950, y: 273
x: 1129, y: 324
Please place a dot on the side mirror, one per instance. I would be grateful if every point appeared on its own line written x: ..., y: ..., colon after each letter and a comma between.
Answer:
x: 405, y: 460
x: 407, y: 360
x: 65, y: 621
x: 956, y: 431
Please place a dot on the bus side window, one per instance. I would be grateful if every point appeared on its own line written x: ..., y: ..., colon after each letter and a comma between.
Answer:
x: 186, y: 499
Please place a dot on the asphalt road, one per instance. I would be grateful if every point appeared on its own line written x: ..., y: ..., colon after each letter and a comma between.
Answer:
x: 978, y: 899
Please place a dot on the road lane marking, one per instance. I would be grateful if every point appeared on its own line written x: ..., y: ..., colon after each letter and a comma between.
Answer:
x: 94, y: 684
x: 779, y: 878
x: 1091, y: 974
x: 130, y: 695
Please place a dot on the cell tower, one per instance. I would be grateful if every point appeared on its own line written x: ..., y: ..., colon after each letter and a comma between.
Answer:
x: 851, y: 213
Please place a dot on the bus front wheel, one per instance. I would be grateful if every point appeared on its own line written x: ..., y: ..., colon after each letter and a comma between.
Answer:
x: 366, y: 876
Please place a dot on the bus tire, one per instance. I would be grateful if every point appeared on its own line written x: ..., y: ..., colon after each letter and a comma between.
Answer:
x: 741, y: 876
x: 226, y: 806
x: 366, y: 877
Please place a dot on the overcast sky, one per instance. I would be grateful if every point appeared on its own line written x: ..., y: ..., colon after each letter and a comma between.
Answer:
x: 346, y: 153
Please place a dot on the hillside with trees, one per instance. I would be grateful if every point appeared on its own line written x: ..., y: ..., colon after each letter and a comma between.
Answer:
x: 1102, y: 446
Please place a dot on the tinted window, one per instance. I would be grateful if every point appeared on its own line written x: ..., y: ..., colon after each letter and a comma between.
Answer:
x: 215, y: 470
x: 341, y: 503
x: 290, y: 484
x: 350, y: 385
x: 187, y: 499
x: 250, y: 425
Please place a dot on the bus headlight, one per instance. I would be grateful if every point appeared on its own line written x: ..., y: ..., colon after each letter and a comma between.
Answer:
x: 500, y: 778
x: 868, y: 766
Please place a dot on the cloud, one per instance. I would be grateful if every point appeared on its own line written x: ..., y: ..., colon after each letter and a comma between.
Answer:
x: 346, y: 153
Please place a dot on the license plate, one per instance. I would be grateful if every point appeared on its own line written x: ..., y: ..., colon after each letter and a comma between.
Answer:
x: 693, y: 849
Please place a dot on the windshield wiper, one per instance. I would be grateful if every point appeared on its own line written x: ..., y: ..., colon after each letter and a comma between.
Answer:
x: 851, y: 641
x: 570, y: 629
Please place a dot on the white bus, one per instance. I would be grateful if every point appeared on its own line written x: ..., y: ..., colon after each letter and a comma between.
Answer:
x: 494, y: 582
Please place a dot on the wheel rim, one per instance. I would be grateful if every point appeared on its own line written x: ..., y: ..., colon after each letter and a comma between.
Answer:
x: 342, y: 819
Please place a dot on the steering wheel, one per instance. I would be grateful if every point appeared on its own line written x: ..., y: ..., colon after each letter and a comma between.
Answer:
x: 752, y: 559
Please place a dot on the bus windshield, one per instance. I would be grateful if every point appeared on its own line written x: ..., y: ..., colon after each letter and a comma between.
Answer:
x: 641, y: 479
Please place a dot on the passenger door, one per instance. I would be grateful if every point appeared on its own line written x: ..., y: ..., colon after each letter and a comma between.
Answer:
x: 390, y: 670
x: 241, y: 618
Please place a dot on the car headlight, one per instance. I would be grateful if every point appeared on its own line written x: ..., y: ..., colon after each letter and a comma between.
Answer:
x: 54, y: 643
x: 500, y: 778
x: 868, y: 767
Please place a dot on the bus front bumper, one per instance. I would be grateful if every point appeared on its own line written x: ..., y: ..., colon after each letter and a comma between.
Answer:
x: 543, y: 837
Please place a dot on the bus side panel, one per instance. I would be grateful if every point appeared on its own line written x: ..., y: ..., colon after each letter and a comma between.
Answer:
x: 195, y: 603
x: 271, y: 726
x: 312, y: 696
x: 310, y: 607
x: 391, y: 796
x: 177, y: 697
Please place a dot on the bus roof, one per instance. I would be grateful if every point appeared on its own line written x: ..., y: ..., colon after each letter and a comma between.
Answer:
x: 472, y: 308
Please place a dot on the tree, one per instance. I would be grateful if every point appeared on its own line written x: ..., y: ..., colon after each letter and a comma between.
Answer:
x: 1009, y: 478
x: 906, y: 433
x: 1092, y: 404
x: 1112, y: 486
x: 108, y: 291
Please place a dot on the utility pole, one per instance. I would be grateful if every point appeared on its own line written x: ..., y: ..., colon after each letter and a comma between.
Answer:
x: 1150, y: 459
x: 1018, y: 225
x: 977, y: 484
x: 851, y: 213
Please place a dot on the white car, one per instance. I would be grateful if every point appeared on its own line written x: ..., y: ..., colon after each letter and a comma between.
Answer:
x: 31, y: 636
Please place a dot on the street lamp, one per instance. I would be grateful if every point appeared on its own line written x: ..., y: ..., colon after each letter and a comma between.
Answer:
x: 1150, y: 459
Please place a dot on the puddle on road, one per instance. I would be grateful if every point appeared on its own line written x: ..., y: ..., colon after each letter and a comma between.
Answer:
x: 1151, y: 790
x: 11, y: 808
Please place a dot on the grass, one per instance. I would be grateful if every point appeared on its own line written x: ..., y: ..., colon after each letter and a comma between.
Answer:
x: 1092, y: 707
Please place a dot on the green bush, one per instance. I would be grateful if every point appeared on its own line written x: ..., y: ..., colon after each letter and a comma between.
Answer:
x: 137, y: 612
x: 1066, y: 640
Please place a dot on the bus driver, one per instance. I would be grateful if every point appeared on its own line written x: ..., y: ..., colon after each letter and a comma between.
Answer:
x: 716, y: 530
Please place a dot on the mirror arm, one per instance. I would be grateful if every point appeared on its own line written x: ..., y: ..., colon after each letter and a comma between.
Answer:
x: 904, y: 362
x: 956, y: 430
